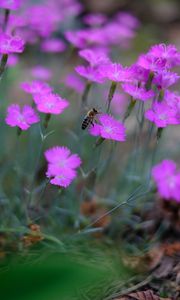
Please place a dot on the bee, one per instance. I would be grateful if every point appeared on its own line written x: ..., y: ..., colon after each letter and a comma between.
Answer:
x: 89, y: 118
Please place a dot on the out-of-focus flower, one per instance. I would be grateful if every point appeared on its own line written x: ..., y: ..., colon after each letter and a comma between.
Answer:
x: 162, y: 115
x: 116, y: 72
x: 94, y: 57
x: 167, y: 179
x: 74, y: 82
x: 11, y: 44
x: 119, y: 103
x: 173, y: 101
x: 92, y: 74
x: 138, y: 93
x: 164, y: 79
x: 62, y: 165
x: 50, y: 103
x: 10, y: 4
x: 95, y: 19
x: 168, y: 53
x: 22, y: 118
x: 36, y: 87
x: 13, y: 60
x: 53, y: 45
x: 109, y: 128
x: 127, y: 19
x: 40, y: 72
x: 151, y: 62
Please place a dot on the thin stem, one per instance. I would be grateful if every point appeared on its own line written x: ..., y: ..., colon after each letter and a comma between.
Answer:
x: 129, y: 109
x: 46, y: 120
x: 3, y: 63
x: 149, y: 82
x: 111, y: 94
x: 6, y: 18
x: 86, y: 92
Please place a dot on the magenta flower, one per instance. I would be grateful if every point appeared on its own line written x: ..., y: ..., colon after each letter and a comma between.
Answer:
x: 53, y: 45
x: 95, y: 19
x: 138, y: 93
x: 92, y: 74
x: 62, y: 165
x: 22, y: 118
x: 109, y: 128
x: 164, y: 79
x: 127, y: 19
x: 167, y: 179
x: 13, y: 60
x: 161, y: 114
x: 40, y: 72
x: 10, y: 4
x: 116, y: 72
x: 36, y: 87
x: 11, y: 44
x: 119, y: 103
x: 50, y: 103
x: 167, y: 52
x: 94, y: 57
x: 74, y: 82
x: 152, y: 63
x: 138, y: 74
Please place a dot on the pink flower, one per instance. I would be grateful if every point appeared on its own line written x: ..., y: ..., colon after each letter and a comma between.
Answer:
x: 40, y: 72
x: 36, y: 87
x: 138, y: 93
x: 62, y: 165
x: 95, y: 19
x: 167, y: 52
x: 109, y: 128
x: 127, y: 19
x: 152, y: 63
x: 167, y: 179
x: 13, y: 60
x: 53, y: 45
x: 74, y: 82
x: 22, y: 118
x: 119, y: 103
x: 161, y: 114
x: 94, y: 57
x: 138, y: 74
x: 164, y: 79
x: 116, y: 72
x: 11, y: 44
x: 50, y: 103
x: 92, y: 74
x: 10, y: 4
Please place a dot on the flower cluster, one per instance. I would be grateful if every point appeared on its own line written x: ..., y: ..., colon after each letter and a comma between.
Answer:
x: 62, y: 166
x: 12, y: 4
x: 109, y: 128
x: 11, y: 44
x: 167, y: 179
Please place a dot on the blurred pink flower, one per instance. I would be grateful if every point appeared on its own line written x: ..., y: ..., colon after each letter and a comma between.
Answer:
x: 36, y: 87
x: 109, y: 128
x: 138, y: 93
x: 13, y: 60
x: 11, y: 44
x: 50, y: 103
x: 119, y: 103
x: 94, y: 57
x: 22, y: 118
x: 151, y: 62
x: 167, y: 179
x: 10, y: 4
x: 164, y: 79
x: 92, y: 74
x: 116, y: 72
x: 53, y: 45
x: 162, y: 115
x: 127, y: 19
x: 62, y: 165
x: 138, y: 74
x: 95, y: 19
x: 167, y: 52
x: 74, y: 82
x: 40, y: 72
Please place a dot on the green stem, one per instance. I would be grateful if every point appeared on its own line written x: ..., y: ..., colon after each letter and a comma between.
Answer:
x: 159, y: 133
x: 111, y: 94
x: 161, y: 95
x: 86, y: 92
x: 129, y: 109
x: 46, y: 120
x: 150, y: 79
x: 3, y: 63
